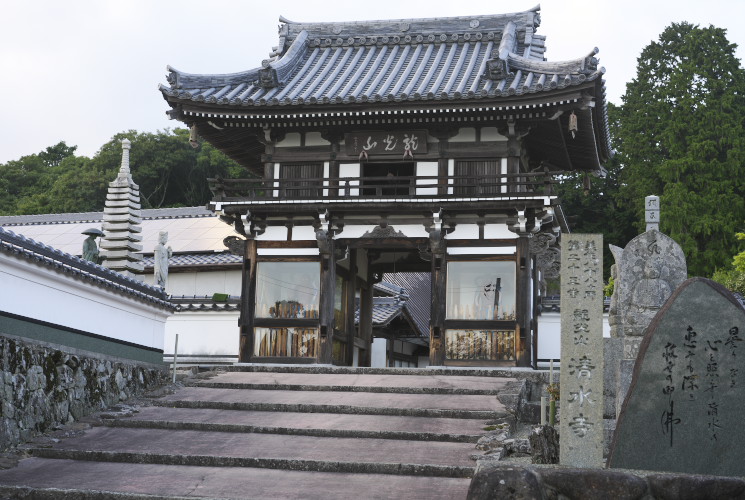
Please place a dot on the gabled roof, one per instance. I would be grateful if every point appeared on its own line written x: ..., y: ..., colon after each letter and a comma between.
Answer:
x: 406, y: 294
x: 411, y: 71
x: 395, y: 60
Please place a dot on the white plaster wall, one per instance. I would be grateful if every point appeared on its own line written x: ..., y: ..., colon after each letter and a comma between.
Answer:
x: 350, y: 170
x: 273, y: 233
x: 378, y: 353
x: 491, y: 134
x: 41, y: 293
x: 315, y: 139
x: 203, y: 333
x: 498, y: 231
x: 426, y: 169
x: 303, y: 233
x: 466, y: 134
x: 202, y: 283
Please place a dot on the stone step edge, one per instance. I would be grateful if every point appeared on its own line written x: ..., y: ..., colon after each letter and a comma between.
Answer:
x: 497, y: 372
x: 440, y: 391
x: 291, y: 431
x: 31, y: 493
x: 338, y: 409
x: 398, y: 469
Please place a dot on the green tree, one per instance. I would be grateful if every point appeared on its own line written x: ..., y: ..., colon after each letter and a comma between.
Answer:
x: 168, y: 170
x: 681, y: 135
x: 733, y: 276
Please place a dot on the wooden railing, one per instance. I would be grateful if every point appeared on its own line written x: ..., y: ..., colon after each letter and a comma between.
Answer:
x: 522, y: 184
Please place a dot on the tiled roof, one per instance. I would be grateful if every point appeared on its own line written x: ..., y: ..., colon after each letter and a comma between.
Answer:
x: 418, y: 287
x: 18, y: 245
x: 408, y: 294
x: 197, y: 259
x: 190, y: 229
x: 205, y: 303
x: 397, y: 60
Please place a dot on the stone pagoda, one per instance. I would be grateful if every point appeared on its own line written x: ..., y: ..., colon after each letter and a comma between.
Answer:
x: 121, y: 222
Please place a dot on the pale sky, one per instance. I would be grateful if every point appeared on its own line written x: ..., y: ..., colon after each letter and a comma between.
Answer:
x: 84, y: 70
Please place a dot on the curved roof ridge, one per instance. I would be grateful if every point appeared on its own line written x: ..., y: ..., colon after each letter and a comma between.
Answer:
x: 289, y: 30
x: 587, y: 64
x: 284, y: 66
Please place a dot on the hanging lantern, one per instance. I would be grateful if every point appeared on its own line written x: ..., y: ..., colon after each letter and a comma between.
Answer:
x: 193, y: 136
x: 573, y: 124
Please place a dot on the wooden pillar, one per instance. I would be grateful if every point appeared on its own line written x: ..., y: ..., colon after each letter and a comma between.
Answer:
x: 351, y: 291
x: 366, y: 307
x: 437, y: 307
x: 534, y: 319
x: 328, y: 289
x: 248, y: 302
x: 523, y: 298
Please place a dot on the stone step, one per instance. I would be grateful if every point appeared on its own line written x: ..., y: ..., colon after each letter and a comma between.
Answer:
x: 343, y: 409
x: 312, y: 369
x: 206, y: 448
x: 375, y: 403
x: 382, y: 426
x: 404, y: 384
x: 65, y: 479
x: 347, y: 388
x: 291, y: 431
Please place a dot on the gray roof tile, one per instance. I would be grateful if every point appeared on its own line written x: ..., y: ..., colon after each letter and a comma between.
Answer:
x: 397, y: 60
x: 44, y: 255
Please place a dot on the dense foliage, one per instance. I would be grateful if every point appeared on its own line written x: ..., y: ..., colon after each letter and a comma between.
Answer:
x: 168, y: 170
x: 679, y: 134
x: 682, y: 136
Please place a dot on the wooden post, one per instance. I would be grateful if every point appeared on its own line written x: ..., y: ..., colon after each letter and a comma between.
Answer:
x: 366, y: 306
x: 523, y: 298
x: 248, y: 302
x: 326, y: 306
x: 351, y: 292
x: 437, y: 308
x: 534, y: 316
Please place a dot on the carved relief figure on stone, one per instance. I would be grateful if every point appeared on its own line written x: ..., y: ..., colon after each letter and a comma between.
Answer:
x: 650, y: 292
x: 162, y: 254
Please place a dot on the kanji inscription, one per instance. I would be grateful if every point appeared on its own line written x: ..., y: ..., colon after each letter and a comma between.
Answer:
x: 581, y: 385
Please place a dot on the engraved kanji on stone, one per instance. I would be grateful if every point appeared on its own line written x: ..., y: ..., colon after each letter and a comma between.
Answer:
x: 581, y: 396
x: 580, y: 425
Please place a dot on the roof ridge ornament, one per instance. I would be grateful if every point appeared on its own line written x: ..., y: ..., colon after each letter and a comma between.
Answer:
x: 267, y: 75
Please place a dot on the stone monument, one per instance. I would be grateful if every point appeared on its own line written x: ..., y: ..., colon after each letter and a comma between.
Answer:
x: 645, y: 274
x: 581, y: 382
x: 683, y: 411
x: 122, y: 219
x: 161, y: 256
x: 90, y: 249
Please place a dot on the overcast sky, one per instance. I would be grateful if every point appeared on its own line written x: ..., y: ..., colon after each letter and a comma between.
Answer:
x: 83, y: 70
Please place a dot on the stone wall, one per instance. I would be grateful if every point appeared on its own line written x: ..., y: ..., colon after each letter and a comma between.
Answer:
x: 42, y: 386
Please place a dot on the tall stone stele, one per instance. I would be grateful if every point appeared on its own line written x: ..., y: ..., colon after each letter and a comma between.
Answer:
x: 122, y: 217
x: 646, y: 274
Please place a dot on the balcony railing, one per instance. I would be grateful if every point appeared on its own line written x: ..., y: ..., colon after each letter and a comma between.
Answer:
x: 393, y: 187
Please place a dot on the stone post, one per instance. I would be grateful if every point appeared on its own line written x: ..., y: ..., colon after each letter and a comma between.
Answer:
x: 581, y: 381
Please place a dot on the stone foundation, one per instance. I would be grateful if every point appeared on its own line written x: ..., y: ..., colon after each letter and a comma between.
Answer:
x: 535, y: 482
x: 42, y: 386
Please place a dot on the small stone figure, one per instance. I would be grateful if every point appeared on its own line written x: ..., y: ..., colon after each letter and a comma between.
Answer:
x: 162, y: 254
x: 90, y: 249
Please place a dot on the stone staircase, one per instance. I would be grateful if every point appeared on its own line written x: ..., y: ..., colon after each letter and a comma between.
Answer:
x: 263, y: 432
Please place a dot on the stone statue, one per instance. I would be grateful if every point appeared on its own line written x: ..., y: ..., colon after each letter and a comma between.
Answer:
x: 90, y: 249
x: 162, y: 254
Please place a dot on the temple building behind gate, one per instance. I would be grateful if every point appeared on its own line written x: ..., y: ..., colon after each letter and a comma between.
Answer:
x: 401, y: 146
